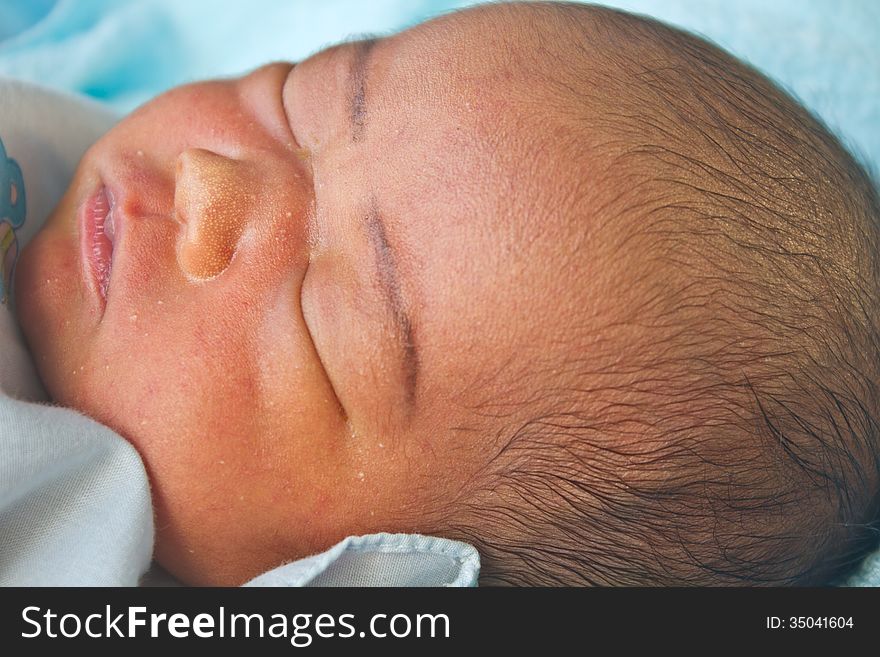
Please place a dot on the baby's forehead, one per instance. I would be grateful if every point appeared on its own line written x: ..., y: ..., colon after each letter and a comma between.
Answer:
x: 542, y: 57
x: 489, y: 22
x: 543, y: 29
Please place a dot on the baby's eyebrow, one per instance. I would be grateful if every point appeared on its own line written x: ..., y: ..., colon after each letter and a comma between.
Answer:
x: 389, y: 282
x: 356, y: 86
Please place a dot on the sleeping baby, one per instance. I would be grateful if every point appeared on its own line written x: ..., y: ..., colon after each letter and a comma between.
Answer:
x: 565, y: 283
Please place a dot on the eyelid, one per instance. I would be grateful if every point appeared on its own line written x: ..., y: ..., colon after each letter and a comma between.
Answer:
x: 302, y: 154
x: 314, y: 343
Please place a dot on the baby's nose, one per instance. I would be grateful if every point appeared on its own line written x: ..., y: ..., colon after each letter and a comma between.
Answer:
x: 213, y: 199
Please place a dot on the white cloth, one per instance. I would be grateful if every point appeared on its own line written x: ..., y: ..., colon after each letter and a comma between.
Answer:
x: 74, y: 501
x: 74, y: 496
x: 382, y: 560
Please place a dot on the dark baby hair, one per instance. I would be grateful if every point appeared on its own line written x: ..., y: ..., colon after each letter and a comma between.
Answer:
x: 724, y: 425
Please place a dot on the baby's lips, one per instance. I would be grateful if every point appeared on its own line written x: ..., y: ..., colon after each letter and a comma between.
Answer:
x: 109, y: 220
x: 96, y: 244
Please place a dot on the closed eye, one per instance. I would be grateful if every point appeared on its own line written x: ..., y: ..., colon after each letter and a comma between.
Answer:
x: 313, y: 341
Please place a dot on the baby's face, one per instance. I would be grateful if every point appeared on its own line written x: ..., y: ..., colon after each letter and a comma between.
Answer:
x: 308, y: 295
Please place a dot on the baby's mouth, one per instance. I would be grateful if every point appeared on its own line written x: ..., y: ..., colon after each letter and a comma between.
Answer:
x: 97, y: 235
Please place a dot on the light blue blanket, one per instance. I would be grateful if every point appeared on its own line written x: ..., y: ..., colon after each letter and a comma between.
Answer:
x: 826, y: 52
